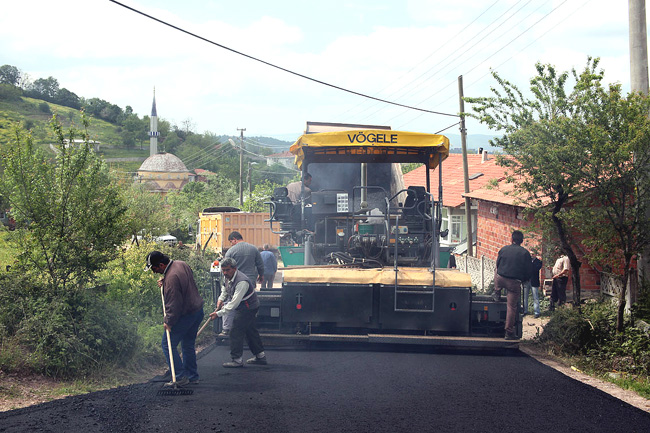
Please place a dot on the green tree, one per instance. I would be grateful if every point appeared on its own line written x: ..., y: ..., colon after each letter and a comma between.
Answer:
x: 146, y: 215
x: 170, y: 143
x: 9, y: 92
x: 262, y: 192
x: 186, y: 204
x: 69, y: 213
x: 543, y: 137
x: 67, y: 98
x: 133, y: 131
x: 10, y: 75
x: 44, y: 88
x: 614, y: 217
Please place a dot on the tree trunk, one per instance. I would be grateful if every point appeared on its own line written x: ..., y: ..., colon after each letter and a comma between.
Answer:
x: 622, y: 301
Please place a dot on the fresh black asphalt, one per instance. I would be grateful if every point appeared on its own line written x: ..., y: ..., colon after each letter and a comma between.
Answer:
x: 335, y: 388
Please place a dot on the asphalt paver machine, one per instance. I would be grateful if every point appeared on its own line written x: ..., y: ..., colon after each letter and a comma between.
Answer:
x: 362, y: 253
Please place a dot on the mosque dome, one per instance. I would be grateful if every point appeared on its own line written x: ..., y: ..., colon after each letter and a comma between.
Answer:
x: 163, y: 162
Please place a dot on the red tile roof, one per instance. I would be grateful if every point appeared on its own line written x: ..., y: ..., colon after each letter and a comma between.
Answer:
x: 285, y: 154
x: 504, y: 193
x: 202, y: 172
x: 452, y: 177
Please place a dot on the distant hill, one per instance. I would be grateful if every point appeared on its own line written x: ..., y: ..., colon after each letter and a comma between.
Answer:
x: 35, y: 115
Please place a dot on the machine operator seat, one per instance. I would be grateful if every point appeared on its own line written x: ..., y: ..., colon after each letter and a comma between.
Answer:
x: 413, y: 206
x: 283, y: 205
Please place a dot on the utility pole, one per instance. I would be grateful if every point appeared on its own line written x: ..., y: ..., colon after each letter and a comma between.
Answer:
x: 241, y: 165
x: 463, y: 142
x: 249, y: 180
x: 638, y: 46
x: 639, y: 83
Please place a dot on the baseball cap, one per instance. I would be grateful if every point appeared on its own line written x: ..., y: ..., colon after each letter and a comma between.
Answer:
x: 148, y: 265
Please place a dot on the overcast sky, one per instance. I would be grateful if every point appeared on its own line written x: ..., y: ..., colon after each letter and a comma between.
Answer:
x: 410, y: 52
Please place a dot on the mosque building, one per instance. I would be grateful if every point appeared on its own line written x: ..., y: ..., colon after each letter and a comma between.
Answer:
x: 161, y: 172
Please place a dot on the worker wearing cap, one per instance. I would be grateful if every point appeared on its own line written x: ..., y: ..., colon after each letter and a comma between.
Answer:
x: 183, y: 313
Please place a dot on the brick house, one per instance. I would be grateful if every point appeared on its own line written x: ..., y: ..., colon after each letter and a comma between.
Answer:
x: 499, y: 214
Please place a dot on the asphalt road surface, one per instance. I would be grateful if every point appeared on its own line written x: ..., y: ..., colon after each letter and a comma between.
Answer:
x: 328, y: 388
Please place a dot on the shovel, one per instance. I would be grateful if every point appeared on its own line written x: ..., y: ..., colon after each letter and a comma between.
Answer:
x: 210, y: 319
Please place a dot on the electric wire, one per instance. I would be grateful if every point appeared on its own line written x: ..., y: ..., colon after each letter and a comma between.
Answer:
x: 279, y: 67
x: 420, y: 63
x: 202, y: 153
x: 415, y: 87
x: 484, y: 41
x: 494, y: 54
x: 457, y: 55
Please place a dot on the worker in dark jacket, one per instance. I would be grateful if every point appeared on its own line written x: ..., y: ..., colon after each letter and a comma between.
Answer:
x: 514, y: 267
x: 183, y: 313
x: 243, y: 305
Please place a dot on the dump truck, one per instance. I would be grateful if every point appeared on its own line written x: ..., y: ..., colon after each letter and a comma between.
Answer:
x: 216, y: 223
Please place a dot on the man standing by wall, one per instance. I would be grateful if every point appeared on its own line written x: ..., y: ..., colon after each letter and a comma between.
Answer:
x: 249, y: 261
x: 560, y: 279
x: 243, y: 307
x: 183, y: 313
x: 270, y: 266
x: 514, y: 266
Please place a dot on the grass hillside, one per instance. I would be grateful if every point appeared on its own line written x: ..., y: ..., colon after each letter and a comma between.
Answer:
x: 35, y: 115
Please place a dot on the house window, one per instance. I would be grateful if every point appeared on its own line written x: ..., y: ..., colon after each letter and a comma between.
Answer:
x: 457, y: 229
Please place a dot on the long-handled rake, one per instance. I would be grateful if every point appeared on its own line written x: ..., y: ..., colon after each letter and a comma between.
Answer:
x: 174, y: 389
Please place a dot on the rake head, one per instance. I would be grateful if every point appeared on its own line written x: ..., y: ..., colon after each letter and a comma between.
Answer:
x: 175, y: 392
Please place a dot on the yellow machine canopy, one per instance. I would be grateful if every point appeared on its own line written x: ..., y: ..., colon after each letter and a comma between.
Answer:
x: 371, y: 146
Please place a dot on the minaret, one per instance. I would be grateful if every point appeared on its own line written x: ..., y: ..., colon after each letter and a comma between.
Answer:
x: 153, y: 128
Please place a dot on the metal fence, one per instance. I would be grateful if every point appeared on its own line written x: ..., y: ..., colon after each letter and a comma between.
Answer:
x: 481, y: 270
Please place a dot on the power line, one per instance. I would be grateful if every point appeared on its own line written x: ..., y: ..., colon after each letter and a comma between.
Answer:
x: 496, y: 52
x: 421, y: 62
x: 416, y: 84
x: 202, y: 153
x: 279, y: 67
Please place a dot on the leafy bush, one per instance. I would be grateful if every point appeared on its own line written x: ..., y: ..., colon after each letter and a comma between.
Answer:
x: 591, y: 333
x: 63, y: 334
x: 567, y: 331
x: 44, y: 107
x: 9, y: 92
x: 128, y: 285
